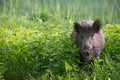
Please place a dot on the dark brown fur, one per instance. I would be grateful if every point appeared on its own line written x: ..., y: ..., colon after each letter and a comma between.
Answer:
x: 89, y: 38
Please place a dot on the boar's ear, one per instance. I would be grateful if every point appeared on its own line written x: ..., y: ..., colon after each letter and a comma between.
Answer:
x: 77, y: 26
x: 97, y: 25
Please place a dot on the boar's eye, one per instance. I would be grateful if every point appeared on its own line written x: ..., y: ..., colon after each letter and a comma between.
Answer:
x: 82, y: 36
x: 92, y: 34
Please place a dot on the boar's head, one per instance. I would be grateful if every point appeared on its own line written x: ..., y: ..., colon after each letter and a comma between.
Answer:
x: 89, y: 38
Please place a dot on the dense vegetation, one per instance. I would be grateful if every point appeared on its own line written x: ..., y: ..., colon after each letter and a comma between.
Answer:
x: 35, y: 42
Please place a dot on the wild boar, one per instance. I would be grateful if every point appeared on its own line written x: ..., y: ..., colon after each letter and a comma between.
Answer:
x: 89, y: 38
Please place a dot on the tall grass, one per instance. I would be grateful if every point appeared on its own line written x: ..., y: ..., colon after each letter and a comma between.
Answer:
x: 106, y: 10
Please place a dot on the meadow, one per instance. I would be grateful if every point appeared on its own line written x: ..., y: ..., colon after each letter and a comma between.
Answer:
x: 36, y: 44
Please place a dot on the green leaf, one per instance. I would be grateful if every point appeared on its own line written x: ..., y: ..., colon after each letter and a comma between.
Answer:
x: 67, y: 67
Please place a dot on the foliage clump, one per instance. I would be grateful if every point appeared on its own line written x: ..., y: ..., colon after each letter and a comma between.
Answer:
x: 45, y: 50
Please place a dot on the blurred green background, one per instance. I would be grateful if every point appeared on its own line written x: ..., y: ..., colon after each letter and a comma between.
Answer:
x: 105, y: 10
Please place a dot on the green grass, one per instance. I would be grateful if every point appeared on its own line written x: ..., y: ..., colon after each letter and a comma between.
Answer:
x: 35, y: 42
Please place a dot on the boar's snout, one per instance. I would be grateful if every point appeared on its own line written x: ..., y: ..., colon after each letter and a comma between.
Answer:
x: 85, y: 53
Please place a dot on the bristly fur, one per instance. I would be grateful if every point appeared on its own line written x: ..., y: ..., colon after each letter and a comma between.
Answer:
x: 89, y: 38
